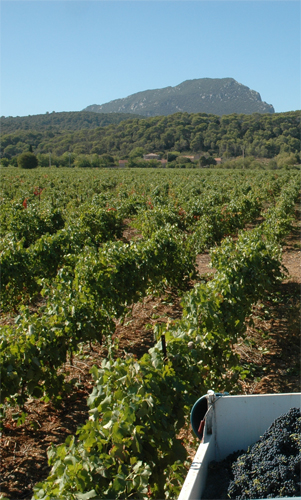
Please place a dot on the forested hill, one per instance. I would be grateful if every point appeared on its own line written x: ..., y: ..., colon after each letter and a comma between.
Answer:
x: 73, y: 120
x: 219, y: 96
x: 233, y: 135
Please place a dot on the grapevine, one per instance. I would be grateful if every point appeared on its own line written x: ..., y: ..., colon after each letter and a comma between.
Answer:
x: 87, y: 275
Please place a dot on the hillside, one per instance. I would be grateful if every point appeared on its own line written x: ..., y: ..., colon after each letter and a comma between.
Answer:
x: 73, y: 120
x: 218, y: 96
x: 260, y: 135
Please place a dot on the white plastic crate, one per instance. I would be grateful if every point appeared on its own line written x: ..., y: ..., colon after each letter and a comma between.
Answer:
x: 231, y: 423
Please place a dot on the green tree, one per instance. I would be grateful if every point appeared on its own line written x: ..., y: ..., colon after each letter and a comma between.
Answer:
x: 13, y: 162
x: 173, y: 155
x: 27, y: 160
x: 105, y: 160
x: 137, y: 153
x: 197, y: 143
x: 10, y: 151
x: 286, y: 159
x: 182, y: 160
x: 43, y: 160
x: 203, y: 161
x: 82, y: 162
x: 211, y: 161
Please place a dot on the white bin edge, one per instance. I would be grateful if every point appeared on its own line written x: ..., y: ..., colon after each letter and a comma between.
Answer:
x: 238, y: 422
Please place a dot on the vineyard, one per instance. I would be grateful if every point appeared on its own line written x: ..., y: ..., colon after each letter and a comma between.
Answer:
x: 81, y: 253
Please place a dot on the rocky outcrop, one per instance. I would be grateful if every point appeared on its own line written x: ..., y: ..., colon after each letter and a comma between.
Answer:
x: 220, y: 96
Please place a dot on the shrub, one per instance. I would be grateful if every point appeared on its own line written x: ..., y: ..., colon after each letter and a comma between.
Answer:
x: 27, y: 160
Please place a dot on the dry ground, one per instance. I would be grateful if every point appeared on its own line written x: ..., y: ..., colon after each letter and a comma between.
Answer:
x: 271, y: 352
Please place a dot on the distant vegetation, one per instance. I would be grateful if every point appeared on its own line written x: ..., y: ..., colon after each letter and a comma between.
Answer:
x: 73, y: 120
x: 77, y: 139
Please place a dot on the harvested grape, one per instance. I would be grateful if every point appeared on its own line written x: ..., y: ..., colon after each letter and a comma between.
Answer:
x: 271, y: 467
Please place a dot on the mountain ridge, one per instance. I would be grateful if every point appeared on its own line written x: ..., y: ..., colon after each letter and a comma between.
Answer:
x: 219, y: 96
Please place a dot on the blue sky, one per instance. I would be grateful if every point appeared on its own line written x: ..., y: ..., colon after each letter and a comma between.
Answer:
x: 65, y: 55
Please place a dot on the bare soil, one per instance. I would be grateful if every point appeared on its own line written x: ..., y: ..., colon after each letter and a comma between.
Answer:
x: 271, y: 353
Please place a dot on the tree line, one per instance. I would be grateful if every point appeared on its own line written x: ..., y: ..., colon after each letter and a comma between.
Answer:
x: 229, y: 136
x: 65, y: 120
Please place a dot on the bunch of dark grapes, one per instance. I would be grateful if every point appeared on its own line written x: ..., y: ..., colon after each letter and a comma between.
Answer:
x: 271, y: 468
